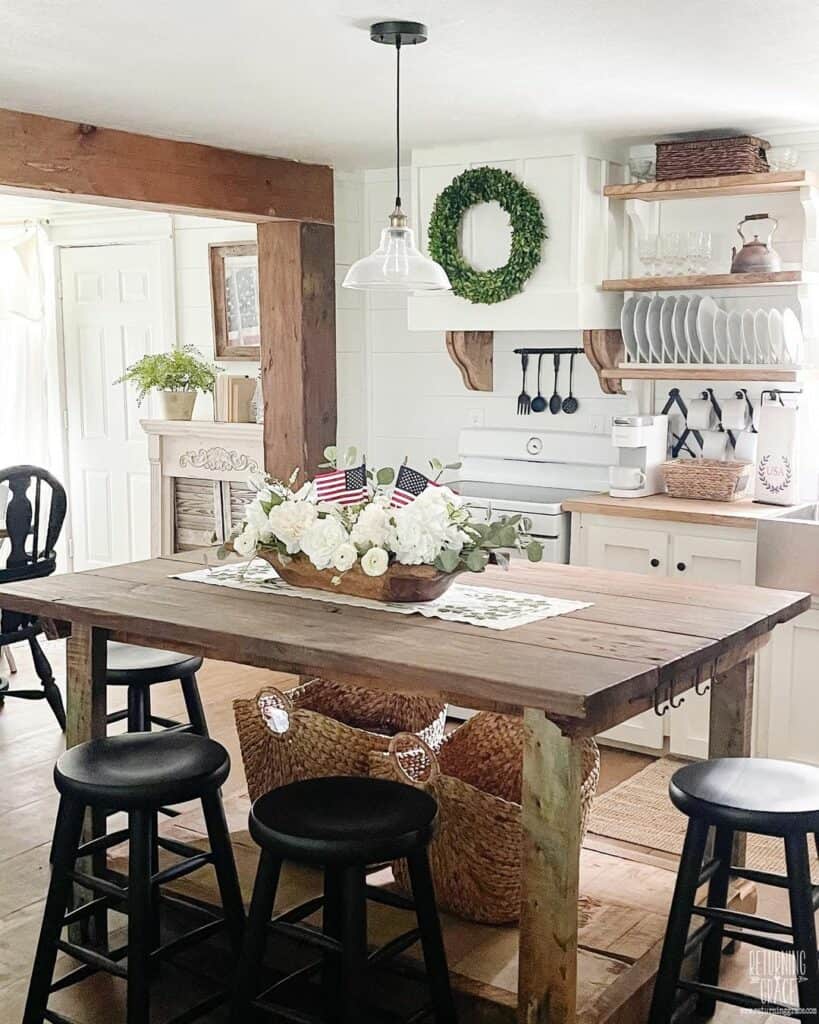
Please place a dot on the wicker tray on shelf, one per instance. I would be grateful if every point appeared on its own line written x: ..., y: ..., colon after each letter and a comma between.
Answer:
x: 707, y: 479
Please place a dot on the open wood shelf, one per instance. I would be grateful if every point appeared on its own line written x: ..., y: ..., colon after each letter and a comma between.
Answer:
x: 687, y: 282
x: 703, y: 188
x: 665, y: 371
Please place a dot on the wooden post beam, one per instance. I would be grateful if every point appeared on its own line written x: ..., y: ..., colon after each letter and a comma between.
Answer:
x: 46, y: 156
x: 297, y: 307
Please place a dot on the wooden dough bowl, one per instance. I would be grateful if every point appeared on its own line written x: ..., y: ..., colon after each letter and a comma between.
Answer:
x: 402, y: 583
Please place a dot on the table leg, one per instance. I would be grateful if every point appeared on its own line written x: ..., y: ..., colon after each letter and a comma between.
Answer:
x: 86, y: 657
x: 552, y: 775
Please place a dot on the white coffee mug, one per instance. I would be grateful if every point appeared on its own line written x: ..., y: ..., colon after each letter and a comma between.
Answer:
x: 626, y: 478
x: 714, y: 444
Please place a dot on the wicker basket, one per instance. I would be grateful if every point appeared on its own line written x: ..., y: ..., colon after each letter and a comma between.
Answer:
x: 325, y: 728
x: 708, y: 479
x: 476, y: 779
x: 709, y: 158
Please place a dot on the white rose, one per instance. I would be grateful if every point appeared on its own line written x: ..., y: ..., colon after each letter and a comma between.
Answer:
x: 245, y: 543
x: 256, y: 517
x: 344, y: 557
x: 290, y: 521
x: 370, y: 529
x: 322, y: 539
x: 375, y: 562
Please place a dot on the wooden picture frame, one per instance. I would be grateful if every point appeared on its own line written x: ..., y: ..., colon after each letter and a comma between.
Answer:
x: 234, y: 285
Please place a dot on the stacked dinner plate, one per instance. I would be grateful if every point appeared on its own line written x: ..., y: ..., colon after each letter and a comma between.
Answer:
x: 694, y: 329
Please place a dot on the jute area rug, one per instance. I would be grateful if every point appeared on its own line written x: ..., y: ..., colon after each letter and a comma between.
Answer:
x: 639, y: 811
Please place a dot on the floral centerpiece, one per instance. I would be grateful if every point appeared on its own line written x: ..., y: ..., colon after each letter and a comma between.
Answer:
x: 375, y: 535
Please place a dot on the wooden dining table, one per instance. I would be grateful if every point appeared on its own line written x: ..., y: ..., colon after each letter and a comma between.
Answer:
x: 639, y: 643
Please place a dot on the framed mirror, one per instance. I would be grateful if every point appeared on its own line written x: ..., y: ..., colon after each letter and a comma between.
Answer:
x: 234, y: 285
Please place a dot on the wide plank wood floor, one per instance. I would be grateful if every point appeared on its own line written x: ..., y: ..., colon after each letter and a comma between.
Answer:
x: 30, y: 742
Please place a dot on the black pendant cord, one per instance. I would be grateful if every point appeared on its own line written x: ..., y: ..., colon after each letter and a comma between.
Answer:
x: 398, y: 123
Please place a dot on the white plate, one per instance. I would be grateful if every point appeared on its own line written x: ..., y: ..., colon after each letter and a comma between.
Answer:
x: 735, y: 354
x: 627, y: 328
x: 695, y: 354
x: 792, y: 333
x: 655, y: 339
x: 666, y: 332
x: 706, y: 318
x: 763, y: 337
x: 721, y: 336
x: 683, y: 353
x: 776, y: 333
x: 640, y: 315
x: 750, y: 349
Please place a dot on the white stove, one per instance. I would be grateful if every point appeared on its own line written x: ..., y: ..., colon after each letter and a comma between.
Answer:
x: 531, y: 473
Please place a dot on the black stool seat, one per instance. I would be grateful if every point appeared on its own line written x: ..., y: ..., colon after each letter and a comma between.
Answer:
x: 142, y: 770
x: 129, y: 665
x: 750, y: 794
x: 343, y: 819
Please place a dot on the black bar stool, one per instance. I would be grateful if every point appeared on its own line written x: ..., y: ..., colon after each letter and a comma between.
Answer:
x: 136, y: 773
x: 140, y: 668
x: 342, y: 824
x: 741, y: 794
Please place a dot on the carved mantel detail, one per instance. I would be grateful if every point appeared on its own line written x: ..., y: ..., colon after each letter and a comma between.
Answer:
x: 218, y: 459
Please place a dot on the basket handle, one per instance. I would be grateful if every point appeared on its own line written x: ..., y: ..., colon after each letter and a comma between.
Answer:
x: 414, y: 740
x: 282, y: 710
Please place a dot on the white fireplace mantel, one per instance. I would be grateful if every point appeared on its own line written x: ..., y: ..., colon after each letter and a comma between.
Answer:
x: 196, y: 450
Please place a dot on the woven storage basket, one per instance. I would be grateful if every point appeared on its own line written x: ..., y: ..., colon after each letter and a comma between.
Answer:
x: 708, y: 479
x: 709, y: 158
x: 476, y: 779
x: 325, y: 728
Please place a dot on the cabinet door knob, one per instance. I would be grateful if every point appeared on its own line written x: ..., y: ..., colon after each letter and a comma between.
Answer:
x: 654, y: 563
x: 681, y: 566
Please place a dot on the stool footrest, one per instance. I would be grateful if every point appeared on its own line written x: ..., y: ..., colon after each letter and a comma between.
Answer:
x: 191, y: 938
x: 85, y: 910
x: 184, y: 867
x: 760, y: 877
x: 285, y: 1012
x: 304, y: 933
x: 777, y: 945
x: 102, y: 842
x: 708, y: 871
x: 394, y: 947
x: 200, y: 1009
x: 741, y: 999
x: 169, y: 723
x: 92, y: 959
x: 174, y: 846
x: 57, y: 1018
x: 389, y: 898
x: 94, y: 884
x: 85, y: 971
x: 757, y: 924
x: 698, y: 936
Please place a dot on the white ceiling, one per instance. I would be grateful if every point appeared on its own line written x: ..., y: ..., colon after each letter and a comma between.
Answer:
x: 300, y: 78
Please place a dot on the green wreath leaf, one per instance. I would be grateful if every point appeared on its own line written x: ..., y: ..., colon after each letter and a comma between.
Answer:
x: 485, y: 185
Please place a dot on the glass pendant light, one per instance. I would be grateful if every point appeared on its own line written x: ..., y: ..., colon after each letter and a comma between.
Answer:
x: 397, y: 265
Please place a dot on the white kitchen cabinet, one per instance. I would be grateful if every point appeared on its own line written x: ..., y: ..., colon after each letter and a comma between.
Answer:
x: 623, y: 549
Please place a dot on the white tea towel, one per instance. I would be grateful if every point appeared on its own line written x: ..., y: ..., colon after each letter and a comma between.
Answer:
x: 776, y: 470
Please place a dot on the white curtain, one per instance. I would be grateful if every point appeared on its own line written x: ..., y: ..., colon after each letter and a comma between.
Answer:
x: 24, y: 407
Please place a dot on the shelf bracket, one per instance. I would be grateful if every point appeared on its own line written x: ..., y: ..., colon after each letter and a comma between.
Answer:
x: 472, y: 352
x: 605, y: 351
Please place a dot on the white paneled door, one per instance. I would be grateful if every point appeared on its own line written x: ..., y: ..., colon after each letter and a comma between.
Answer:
x: 112, y: 308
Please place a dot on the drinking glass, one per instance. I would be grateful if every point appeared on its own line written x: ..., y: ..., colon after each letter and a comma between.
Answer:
x: 641, y: 169
x: 648, y: 248
x: 698, y: 251
x: 674, y: 250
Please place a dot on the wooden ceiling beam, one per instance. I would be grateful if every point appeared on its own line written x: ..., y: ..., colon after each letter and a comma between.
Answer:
x: 46, y: 156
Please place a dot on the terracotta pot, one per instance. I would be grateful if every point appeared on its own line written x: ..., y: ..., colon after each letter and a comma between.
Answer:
x: 399, y: 583
x: 176, y: 405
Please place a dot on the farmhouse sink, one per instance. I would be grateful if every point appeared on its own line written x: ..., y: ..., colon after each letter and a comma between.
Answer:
x: 788, y: 550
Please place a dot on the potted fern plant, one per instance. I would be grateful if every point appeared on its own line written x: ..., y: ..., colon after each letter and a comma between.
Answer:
x: 176, y: 376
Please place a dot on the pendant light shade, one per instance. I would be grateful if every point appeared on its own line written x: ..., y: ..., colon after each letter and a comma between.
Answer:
x: 397, y: 265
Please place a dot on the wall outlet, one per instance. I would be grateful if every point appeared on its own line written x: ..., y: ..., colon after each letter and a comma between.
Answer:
x: 476, y: 417
x: 601, y: 424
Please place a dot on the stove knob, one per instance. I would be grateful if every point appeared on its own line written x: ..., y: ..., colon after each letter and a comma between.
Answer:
x: 534, y: 446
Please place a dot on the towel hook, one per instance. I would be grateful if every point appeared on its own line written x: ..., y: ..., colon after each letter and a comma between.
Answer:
x: 705, y: 688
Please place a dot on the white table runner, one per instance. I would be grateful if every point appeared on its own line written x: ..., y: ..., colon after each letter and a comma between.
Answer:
x: 480, y: 606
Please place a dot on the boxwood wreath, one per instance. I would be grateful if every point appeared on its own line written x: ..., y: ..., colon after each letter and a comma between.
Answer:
x: 485, y: 185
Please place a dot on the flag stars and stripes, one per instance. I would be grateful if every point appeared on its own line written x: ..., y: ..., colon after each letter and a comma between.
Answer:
x: 343, y: 486
x: 408, y: 485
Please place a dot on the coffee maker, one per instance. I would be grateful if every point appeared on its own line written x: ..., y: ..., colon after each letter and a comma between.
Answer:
x: 642, y: 448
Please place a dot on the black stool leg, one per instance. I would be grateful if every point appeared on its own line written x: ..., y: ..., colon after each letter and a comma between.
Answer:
x: 225, y: 865
x: 52, y: 693
x: 193, y: 705
x: 802, y: 921
x: 64, y: 852
x: 717, y: 897
x: 139, y: 709
x: 246, y: 985
x: 679, y: 919
x: 331, y: 925
x: 432, y: 940
x: 140, y: 915
x: 353, y: 943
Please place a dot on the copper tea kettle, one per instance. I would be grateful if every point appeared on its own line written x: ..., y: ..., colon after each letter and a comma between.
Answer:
x: 755, y: 257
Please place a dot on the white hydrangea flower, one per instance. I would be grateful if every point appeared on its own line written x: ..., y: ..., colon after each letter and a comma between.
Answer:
x: 245, y: 543
x: 256, y: 517
x: 290, y: 521
x: 322, y: 539
x: 345, y: 557
x: 425, y: 528
x: 371, y: 527
x: 375, y: 562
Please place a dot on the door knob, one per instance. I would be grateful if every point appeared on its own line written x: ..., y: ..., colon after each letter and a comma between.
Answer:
x: 681, y: 566
x: 654, y: 563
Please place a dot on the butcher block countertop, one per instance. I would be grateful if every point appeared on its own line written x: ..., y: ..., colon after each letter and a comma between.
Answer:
x: 744, y: 514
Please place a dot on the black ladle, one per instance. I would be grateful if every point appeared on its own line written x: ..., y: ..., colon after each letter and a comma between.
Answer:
x: 554, y: 401
x: 570, y: 403
x: 538, y: 402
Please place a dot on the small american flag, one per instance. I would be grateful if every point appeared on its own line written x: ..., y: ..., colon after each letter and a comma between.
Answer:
x: 343, y: 486
x: 408, y: 485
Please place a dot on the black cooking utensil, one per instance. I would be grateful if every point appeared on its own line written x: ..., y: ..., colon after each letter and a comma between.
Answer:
x: 538, y: 402
x: 570, y: 403
x: 524, y: 402
x: 554, y: 401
